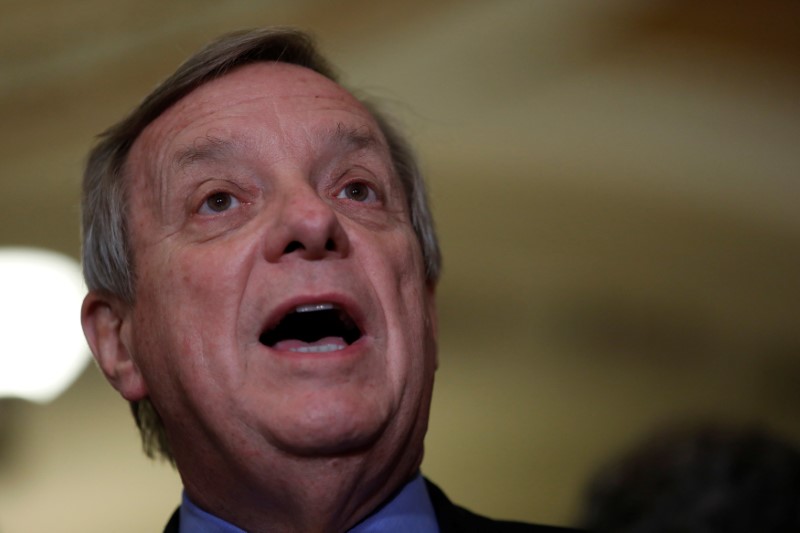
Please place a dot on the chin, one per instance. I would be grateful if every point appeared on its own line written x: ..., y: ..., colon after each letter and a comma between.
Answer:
x: 334, y: 426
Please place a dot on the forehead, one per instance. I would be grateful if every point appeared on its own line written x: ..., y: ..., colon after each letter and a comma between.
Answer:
x: 257, y: 93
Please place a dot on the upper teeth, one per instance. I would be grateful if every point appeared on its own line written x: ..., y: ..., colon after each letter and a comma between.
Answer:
x: 313, y: 307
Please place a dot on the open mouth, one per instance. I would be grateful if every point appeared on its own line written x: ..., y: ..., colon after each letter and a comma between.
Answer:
x: 313, y: 328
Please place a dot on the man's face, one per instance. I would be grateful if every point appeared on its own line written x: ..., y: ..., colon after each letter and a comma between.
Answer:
x: 281, y: 305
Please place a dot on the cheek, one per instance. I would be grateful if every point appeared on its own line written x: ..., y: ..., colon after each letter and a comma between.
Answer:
x: 205, y: 277
x: 407, y: 300
x: 187, y: 307
x: 399, y: 258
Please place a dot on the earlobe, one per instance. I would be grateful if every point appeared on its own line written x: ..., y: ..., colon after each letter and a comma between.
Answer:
x: 103, y: 320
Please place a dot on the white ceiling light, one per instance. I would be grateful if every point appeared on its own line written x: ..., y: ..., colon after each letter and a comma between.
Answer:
x: 42, y: 347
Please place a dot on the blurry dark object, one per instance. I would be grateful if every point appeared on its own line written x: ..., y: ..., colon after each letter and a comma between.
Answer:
x: 699, y: 479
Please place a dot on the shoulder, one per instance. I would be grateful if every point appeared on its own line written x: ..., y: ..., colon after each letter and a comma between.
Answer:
x: 455, y: 519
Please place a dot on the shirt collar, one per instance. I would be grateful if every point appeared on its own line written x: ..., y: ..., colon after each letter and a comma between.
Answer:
x: 409, y: 510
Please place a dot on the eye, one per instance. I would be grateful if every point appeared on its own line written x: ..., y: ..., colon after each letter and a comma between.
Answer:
x: 218, y: 202
x: 358, y: 191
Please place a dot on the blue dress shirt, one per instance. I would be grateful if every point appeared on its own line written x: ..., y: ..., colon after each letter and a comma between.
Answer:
x: 409, y: 511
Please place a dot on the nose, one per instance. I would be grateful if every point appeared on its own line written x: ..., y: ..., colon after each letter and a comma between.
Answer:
x: 305, y: 227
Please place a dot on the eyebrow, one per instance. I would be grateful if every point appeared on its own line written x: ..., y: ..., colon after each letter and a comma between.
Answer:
x: 207, y: 148
x: 352, y: 139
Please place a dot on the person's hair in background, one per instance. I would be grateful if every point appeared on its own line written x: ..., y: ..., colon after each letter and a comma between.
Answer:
x: 698, y: 478
x: 107, y: 256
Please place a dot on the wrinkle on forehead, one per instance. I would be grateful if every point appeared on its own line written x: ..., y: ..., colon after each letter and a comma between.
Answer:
x: 216, y: 149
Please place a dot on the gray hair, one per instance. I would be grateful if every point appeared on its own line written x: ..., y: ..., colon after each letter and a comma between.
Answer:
x: 107, y: 253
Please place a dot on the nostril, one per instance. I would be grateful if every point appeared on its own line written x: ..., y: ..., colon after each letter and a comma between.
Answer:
x: 330, y: 245
x: 292, y: 246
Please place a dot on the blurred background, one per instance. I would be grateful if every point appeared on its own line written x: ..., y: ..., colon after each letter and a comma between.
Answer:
x: 615, y: 184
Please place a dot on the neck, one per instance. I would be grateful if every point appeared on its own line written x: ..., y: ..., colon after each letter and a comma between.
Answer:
x: 304, y: 494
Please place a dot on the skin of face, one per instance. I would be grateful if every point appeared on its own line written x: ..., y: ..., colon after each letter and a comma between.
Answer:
x: 264, y: 190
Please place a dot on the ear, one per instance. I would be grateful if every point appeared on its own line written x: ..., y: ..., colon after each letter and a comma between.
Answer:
x: 104, y: 320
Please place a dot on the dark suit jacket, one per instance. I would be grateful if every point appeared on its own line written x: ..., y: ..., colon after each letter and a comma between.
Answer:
x: 455, y: 519
x: 451, y: 519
